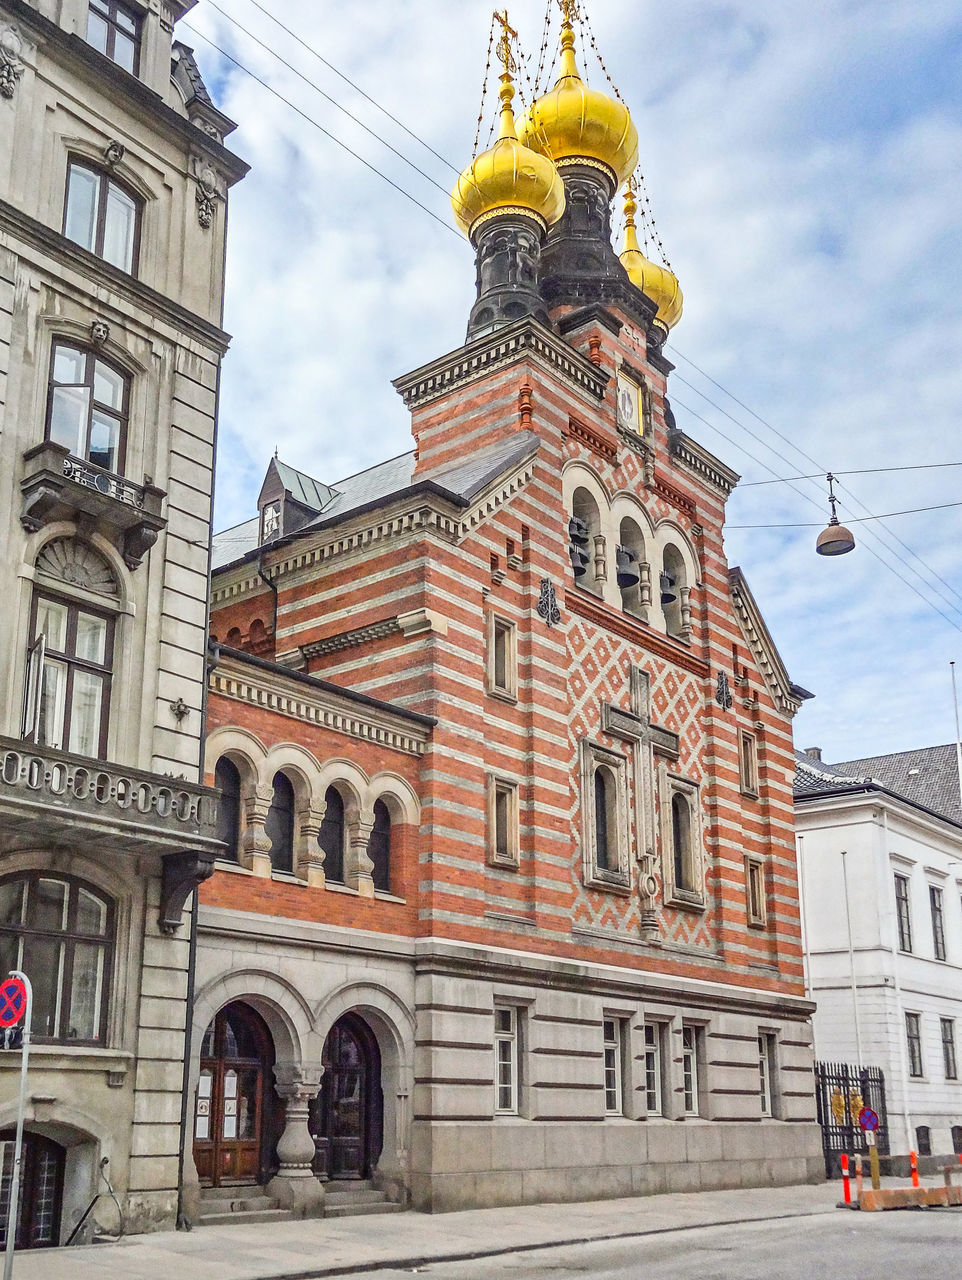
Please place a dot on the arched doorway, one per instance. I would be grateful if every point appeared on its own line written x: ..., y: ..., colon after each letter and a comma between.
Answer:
x: 41, y: 1190
x: 346, y: 1116
x: 233, y: 1111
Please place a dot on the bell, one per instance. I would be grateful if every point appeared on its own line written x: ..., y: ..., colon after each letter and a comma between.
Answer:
x: 626, y: 565
x: 579, y: 560
x: 666, y: 582
x: 578, y: 531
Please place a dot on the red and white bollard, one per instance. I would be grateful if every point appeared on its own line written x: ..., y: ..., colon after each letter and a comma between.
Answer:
x: 846, y: 1185
x: 914, y: 1165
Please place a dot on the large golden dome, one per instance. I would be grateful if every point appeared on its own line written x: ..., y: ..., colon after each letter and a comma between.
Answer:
x: 656, y: 282
x: 575, y: 122
x: 510, y: 177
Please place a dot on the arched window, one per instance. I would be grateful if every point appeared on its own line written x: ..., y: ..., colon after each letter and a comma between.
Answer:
x: 88, y: 404
x: 102, y: 216
x: 279, y: 826
x: 59, y: 931
x: 605, y: 856
x: 630, y: 556
x: 331, y: 836
x: 227, y: 780
x: 681, y: 841
x: 673, y: 583
x: 379, y: 847
x: 584, y: 528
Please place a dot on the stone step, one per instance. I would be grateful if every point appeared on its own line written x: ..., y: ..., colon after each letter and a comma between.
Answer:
x: 367, y: 1196
x: 236, y: 1219
x: 356, y: 1210
x: 348, y: 1184
x: 240, y: 1191
x: 254, y: 1205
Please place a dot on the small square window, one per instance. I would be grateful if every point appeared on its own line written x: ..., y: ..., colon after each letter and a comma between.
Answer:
x: 747, y: 763
x: 755, y: 891
x: 502, y: 663
x: 503, y: 846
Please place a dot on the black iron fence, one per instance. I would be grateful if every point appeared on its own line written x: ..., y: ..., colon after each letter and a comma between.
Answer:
x: 841, y: 1092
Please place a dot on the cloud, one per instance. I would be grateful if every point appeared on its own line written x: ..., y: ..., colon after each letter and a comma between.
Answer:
x: 803, y: 165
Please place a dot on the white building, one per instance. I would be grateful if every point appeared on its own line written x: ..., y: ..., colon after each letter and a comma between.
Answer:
x: 880, y: 842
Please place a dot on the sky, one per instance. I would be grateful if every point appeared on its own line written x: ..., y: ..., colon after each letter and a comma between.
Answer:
x: 802, y: 161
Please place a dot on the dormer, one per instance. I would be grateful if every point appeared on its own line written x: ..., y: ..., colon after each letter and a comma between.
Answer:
x: 289, y: 500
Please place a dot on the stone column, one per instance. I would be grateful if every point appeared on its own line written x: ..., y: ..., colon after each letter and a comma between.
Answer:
x: 255, y: 846
x: 601, y: 560
x: 308, y: 854
x: 357, y: 872
x: 684, y: 600
x: 294, y: 1185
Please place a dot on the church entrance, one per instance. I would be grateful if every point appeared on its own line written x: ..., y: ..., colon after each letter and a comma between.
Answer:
x: 346, y: 1116
x: 41, y: 1190
x: 235, y: 1089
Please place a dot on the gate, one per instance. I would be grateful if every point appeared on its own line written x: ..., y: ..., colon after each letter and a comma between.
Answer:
x: 841, y: 1091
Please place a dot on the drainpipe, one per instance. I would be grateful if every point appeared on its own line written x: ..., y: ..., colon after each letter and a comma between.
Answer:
x: 264, y: 578
x: 899, y: 1010
x: 851, y: 965
x: 803, y: 919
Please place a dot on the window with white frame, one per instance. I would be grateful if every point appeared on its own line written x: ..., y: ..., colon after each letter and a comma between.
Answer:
x: 614, y: 1066
x: 689, y: 1069
x: 69, y: 676
x: 903, y: 912
x: 913, y: 1039
x: 102, y: 216
x: 755, y: 890
x: 653, y: 1095
x: 681, y: 843
x: 947, y: 1028
x: 938, y: 924
x: 604, y: 817
x: 503, y: 850
x: 747, y: 763
x: 502, y: 658
x: 507, y: 1060
x: 766, y: 1072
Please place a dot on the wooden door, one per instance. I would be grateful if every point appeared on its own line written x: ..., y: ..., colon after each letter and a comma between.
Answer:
x: 41, y: 1190
x: 232, y: 1106
x: 345, y: 1117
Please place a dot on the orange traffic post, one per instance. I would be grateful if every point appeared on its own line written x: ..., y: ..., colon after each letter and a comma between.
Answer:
x: 914, y: 1163
x: 846, y: 1185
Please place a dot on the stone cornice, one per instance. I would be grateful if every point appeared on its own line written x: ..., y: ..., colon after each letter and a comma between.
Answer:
x: 704, y: 464
x: 526, y: 339
x: 318, y: 703
x: 788, y: 696
x: 599, y: 441
x: 680, y: 501
x: 593, y: 610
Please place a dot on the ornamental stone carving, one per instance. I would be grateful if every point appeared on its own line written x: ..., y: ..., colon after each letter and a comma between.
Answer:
x: 209, y: 190
x: 11, y: 61
x: 114, y: 152
x: 99, y: 333
x: 77, y: 564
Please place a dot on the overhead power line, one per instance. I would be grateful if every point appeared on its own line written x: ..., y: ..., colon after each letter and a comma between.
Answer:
x: 862, y: 471
x: 941, y: 506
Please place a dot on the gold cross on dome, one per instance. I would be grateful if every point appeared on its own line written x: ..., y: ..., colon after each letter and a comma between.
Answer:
x: 504, y: 44
x: 569, y: 11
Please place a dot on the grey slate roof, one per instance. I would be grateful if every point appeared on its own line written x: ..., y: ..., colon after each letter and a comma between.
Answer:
x: 183, y: 58
x: 379, y: 484
x: 927, y: 777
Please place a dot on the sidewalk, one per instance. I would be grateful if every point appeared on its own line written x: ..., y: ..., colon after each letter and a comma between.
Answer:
x: 344, y: 1246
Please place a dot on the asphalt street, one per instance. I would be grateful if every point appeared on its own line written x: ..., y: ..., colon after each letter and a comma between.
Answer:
x: 909, y: 1245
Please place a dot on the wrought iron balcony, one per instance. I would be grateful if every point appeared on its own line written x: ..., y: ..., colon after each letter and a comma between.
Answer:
x: 53, y: 799
x: 58, y: 486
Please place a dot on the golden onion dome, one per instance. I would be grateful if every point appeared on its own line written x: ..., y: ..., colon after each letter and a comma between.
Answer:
x: 508, y: 178
x: 656, y: 282
x: 575, y: 122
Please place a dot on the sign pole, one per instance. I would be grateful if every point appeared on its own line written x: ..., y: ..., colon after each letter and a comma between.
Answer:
x: 14, y: 1205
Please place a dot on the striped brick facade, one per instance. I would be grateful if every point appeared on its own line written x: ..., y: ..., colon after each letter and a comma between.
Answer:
x: 398, y: 601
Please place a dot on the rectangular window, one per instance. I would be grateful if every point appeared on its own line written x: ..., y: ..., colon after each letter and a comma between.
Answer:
x: 903, y: 912
x: 938, y: 927
x: 948, y: 1048
x: 755, y: 891
x: 766, y: 1073
x: 113, y: 29
x: 747, y: 763
x: 102, y: 216
x: 689, y: 1069
x: 502, y: 658
x: 503, y: 850
x: 70, y: 707
x: 604, y: 818
x: 681, y: 842
x: 88, y: 403
x: 653, y: 1103
x: 913, y: 1036
x: 614, y: 1083
x: 507, y: 1060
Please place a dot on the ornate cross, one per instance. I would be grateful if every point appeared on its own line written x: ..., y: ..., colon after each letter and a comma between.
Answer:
x: 504, y: 44
x: 569, y: 11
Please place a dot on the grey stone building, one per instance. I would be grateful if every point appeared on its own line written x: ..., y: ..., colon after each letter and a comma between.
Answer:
x: 113, y: 186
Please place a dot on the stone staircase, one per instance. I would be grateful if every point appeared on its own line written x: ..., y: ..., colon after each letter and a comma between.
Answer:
x: 349, y: 1198
x: 220, y: 1206
x: 224, y: 1205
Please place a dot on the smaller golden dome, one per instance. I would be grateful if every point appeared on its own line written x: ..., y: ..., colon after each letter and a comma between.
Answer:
x: 509, y: 177
x: 658, y: 283
x: 575, y: 122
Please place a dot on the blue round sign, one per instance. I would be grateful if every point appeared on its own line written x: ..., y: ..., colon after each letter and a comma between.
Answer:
x: 868, y: 1119
x: 13, y: 1001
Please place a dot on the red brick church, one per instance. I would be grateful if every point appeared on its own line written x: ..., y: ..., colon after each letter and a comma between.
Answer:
x: 508, y: 910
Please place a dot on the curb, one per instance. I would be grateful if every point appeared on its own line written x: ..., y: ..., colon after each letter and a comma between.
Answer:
x: 473, y: 1255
